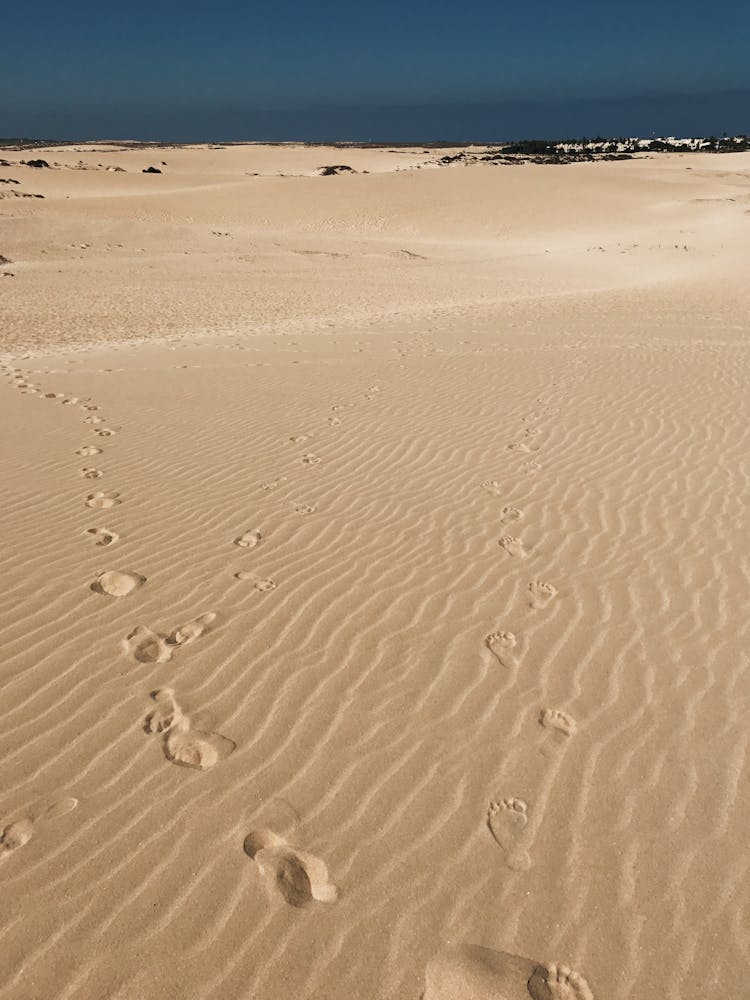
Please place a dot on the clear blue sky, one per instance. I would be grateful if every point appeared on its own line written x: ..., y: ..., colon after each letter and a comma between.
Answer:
x: 161, y: 68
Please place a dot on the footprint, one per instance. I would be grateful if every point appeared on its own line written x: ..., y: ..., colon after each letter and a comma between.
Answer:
x: 89, y: 406
x: 310, y: 459
x: 18, y: 834
x: 196, y: 748
x: 299, y: 438
x: 506, y: 821
x: 270, y: 485
x: 493, y: 487
x: 513, y: 546
x: 500, y: 643
x: 249, y: 540
x: 183, y: 744
x: 301, y: 878
x: 554, y: 718
x: 87, y: 450
x: 104, y: 535
x: 91, y: 473
x: 166, y: 714
x: 183, y: 635
x: 105, y: 432
x: 531, y: 466
x: 541, y: 593
x: 558, y: 982
x: 117, y: 584
x: 261, y: 585
x: 519, y: 446
x: 147, y: 646
x: 102, y: 501
x: 93, y: 420
x: 334, y: 421
x: 304, y: 508
x: 469, y: 971
x: 510, y: 514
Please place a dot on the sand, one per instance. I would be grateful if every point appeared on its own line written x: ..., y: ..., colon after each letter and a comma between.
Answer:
x: 395, y: 524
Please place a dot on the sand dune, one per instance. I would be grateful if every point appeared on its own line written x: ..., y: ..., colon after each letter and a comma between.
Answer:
x: 403, y: 631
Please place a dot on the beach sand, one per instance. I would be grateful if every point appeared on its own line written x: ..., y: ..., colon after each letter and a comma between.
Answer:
x: 375, y: 576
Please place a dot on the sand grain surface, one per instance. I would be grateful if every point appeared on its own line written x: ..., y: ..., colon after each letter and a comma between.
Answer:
x: 375, y: 577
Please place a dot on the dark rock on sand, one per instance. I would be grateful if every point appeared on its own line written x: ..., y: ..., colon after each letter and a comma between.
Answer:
x: 335, y: 169
x: 151, y: 170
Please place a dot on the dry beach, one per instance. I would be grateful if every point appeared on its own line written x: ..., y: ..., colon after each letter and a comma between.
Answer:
x: 375, y: 576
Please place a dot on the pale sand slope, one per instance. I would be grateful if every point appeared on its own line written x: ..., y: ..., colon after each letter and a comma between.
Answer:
x: 483, y: 680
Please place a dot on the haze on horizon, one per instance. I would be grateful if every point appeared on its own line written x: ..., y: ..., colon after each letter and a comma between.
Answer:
x: 477, y: 70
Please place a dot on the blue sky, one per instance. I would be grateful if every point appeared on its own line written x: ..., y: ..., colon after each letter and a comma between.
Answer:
x: 166, y: 67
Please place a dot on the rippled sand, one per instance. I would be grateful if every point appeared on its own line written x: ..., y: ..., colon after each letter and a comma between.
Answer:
x: 375, y: 577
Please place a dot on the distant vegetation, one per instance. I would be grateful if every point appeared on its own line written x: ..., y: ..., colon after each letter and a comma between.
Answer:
x: 562, y: 151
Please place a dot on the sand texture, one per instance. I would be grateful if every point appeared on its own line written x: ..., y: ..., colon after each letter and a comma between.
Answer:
x: 375, y: 577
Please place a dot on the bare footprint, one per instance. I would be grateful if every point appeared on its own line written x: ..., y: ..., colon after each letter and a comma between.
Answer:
x: 147, y: 646
x: 558, y: 982
x: 301, y: 878
x: 531, y: 466
x: 117, y: 584
x: 88, y: 473
x: 493, y: 487
x: 105, y: 432
x: 20, y: 832
x: 87, y: 450
x: 310, y: 459
x: 15, y: 835
x: 183, y: 635
x: 510, y: 514
x: 500, y: 644
x: 183, y: 744
x: 519, y: 446
x: 259, y: 584
x: 196, y: 748
x: 249, y: 539
x: 470, y: 972
x: 103, y: 501
x: 506, y: 821
x: 304, y: 508
x: 334, y: 421
x: 299, y: 438
x: 513, y: 546
x: 554, y: 718
x: 103, y: 535
x: 166, y: 714
x: 541, y: 593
